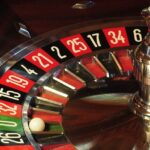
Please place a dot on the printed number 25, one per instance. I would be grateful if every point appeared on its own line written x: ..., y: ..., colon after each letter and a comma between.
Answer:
x: 76, y: 42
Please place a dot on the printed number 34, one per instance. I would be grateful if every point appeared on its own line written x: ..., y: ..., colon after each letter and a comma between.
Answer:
x: 116, y: 38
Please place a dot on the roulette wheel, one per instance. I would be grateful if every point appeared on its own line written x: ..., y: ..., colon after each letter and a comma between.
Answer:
x: 84, y: 87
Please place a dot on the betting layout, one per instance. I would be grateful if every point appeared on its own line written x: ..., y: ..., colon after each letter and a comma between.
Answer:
x: 17, y: 81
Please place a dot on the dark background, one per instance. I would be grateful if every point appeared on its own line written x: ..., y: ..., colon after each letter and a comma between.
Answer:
x: 41, y: 16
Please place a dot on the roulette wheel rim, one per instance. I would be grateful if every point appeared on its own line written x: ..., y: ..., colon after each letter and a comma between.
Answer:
x: 51, y: 37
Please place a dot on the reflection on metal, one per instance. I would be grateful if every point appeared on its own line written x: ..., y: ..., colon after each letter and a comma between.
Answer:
x: 49, y: 89
x: 117, y: 63
x: 48, y: 102
x: 146, y: 14
x: 84, y: 4
x: 75, y: 76
x: 140, y: 108
x: 64, y: 83
x: 22, y: 29
x: 141, y: 101
x: 140, y: 104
